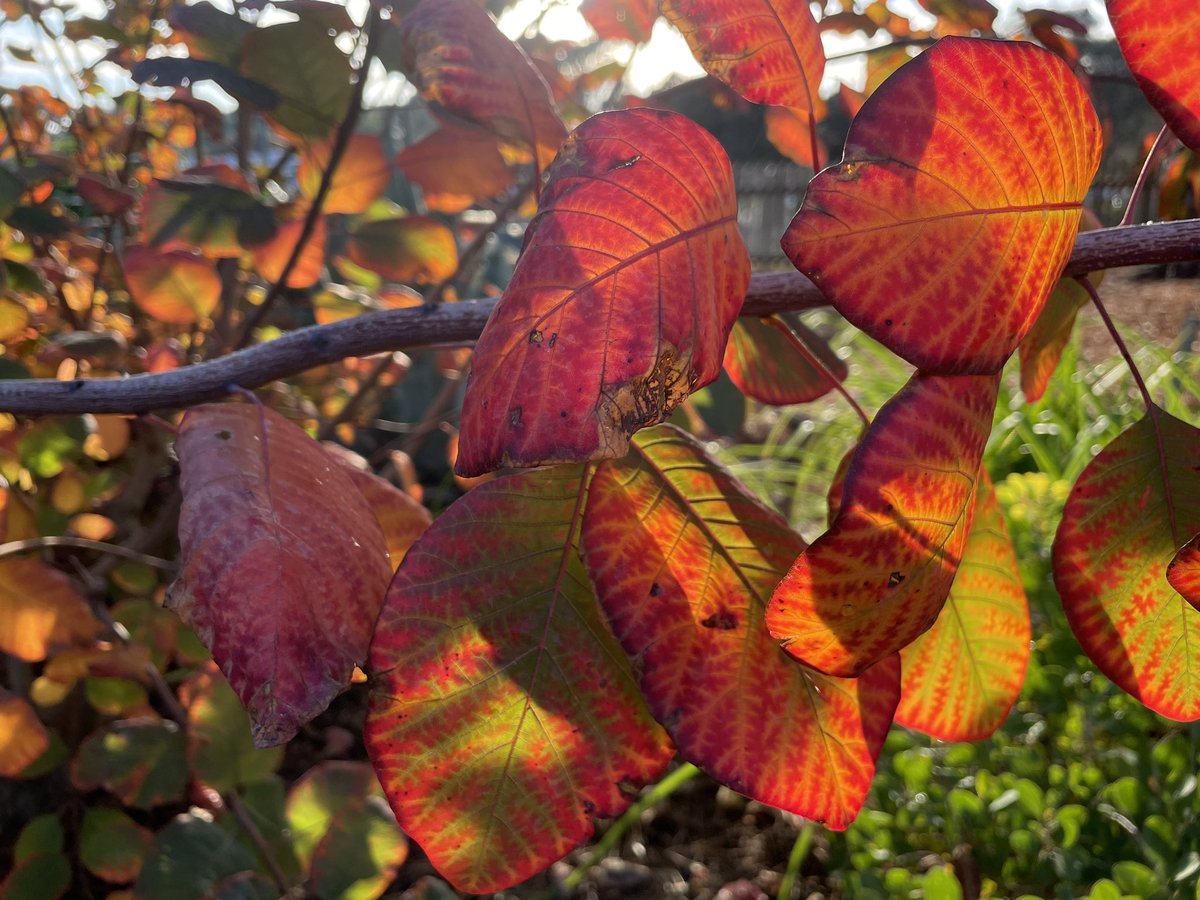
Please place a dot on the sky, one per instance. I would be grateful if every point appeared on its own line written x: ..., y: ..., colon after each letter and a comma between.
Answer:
x: 664, y: 58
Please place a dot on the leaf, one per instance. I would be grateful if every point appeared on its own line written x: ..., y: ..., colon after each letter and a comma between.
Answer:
x: 23, y: 737
x: 41, y: 871
x: 879, y: 576
x: 1160, y: 39
x: 140, y: 761
x: 503, y: 715
x: 684, y: 559
x: 962, y: 16
x: 1183, y: 572
x: 300, y: 62
x: 209, y: 33
x: 455, y: 167
x: 632, y: 275
x: 111, y: 845
x: 1042, y: 347
x: 790, y: 132
x: 414, y: 249
x: 220, y: 750
x: 106, y: 197
x: 962, y: 676
x: 360, y: 179
x: 176, y: 288
x: 40, y: 609
x: 190, y: 858
x: 977, y: 152
x: 272, y: 257
x: 457, y: 58
x: 283, y: 567
x: 204, y: 213
x: 171, y: 71
x: 621, y: 20
x: 344, y: 835
x: 1110, y: 560
x: 769, y: 51
x: 401, y: 518
x: 770, y: 360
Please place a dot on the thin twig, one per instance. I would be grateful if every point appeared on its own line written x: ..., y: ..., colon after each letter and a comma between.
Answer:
x: 1160, y: 148
x: 341, y: 141
x: 1151, y: 406
x: 10, y: 548
x: 817, y: 363
x: 394, y: 329
x: 890, y: 45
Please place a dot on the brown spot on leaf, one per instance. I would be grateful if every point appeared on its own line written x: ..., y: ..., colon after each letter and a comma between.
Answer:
x: 722, y: 620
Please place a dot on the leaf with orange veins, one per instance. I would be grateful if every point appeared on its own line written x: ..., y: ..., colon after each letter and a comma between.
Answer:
x: 1183, y: 572
x: 360, y: 179
x: 41, y: 609
x: 879, y: 576
x: 23, y: 737
x: 953, y: 212
x: 1160, y: 39
x: 1120, y: 531
x: 772, y: 361
x: 962, y: 676
x: 769, y: 51
x: 503, y: 715
x: 457, y: 58
x: 790, y: 132
x: 1042, y: 348
x: 620, y: 306
x: 455, y: 167
x: 684, y: 558
x: 283, y: 566
x: 272, y: 257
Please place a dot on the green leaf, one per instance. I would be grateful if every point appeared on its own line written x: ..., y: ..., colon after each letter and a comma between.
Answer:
x: 141, y: 761
x: 191, y: 857
x: 112, y: 845
x: 220, y: 747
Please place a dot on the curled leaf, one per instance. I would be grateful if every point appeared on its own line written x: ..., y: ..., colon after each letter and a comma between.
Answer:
x: 632, y: 275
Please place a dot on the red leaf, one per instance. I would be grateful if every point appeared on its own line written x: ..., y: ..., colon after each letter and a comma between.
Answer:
x: 176, y: 288
x: 790, y: 132
x: 1183, y: 572
x: 684, y: 558
x: 632, y: 275
x: 401, y: 518
x: 1120, y: 530
x: 772, y: 361
x: 503, y: 715
x: 283, y: 565
x: 1042, y: 347
x: 979, y: 153
x: 879, y: 576
x: 1160, y: 40
x: 621, y: 20
x: 769, y: 51
x: 457, y: 58
x: 963, y: 675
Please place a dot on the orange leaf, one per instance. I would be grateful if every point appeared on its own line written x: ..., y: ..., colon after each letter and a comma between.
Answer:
x: 879, y: 576
x: 401, y: 518
x: 769, y: 51
x: 23, y: 737
x: 1119, y: 532
x: 176, y: 288
x: 684, y: 559
x: 272, y: 257
x: 503, y: 715
x: 1042, y: 348
x: 360, y: 179
x: 283, y: 565
x: 976, y: 157
x: 413, y: 248
x: 962, y: 676
x: 632, y: 275
x: 455, y: 167
x: 962, y: 16
x: 1183, y: 572
x: 790, y: 132
x: 1160, y: 40
x: 771, y: 361
x: 40, y: 609
x: 457, y: 58
x: 621, y: 20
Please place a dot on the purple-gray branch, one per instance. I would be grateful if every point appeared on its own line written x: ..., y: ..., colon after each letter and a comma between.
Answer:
x: 1111, y: 248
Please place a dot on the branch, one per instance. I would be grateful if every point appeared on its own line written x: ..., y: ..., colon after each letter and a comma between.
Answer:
x: 457, y: 323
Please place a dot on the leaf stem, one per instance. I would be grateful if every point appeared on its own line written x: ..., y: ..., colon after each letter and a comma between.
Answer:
x: 11, y: 548
x: 1161, y: 147
x: 1151, y: 408
x: 796, y: 859
x: 814, y: 142
x: 815, y: 361
x: 685, y: 773
x: 340, y: 142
